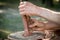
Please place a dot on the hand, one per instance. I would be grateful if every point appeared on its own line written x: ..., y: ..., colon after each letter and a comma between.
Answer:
x: 44, y: 26
x: 37, y: 23
x: 27, y: 8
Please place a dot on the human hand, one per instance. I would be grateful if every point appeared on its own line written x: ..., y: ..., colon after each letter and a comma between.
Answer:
x: 27, y: 8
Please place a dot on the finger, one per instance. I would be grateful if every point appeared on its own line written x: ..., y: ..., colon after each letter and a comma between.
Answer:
x: 22, y: 9
x: 21, y: 6
x: 33, y: 25
x: 21, y: 3
x: 25, y: 13
x: 22, y: 13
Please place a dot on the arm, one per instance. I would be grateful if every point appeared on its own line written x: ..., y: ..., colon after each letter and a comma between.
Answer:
x: 26, y: 25
x: 50, y: 15
x: 32, y: 10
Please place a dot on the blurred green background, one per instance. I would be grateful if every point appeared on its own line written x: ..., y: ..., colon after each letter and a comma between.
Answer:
x: 10, y: 19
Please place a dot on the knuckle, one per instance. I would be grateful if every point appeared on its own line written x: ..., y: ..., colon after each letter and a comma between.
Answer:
x: 21, y: 3
x: 25, y: 3
x: 21, y: 6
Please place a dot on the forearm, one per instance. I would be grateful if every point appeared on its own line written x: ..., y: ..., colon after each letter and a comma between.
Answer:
x: 48, y: 14
x: 25, y: 23
x: 51, y: 26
